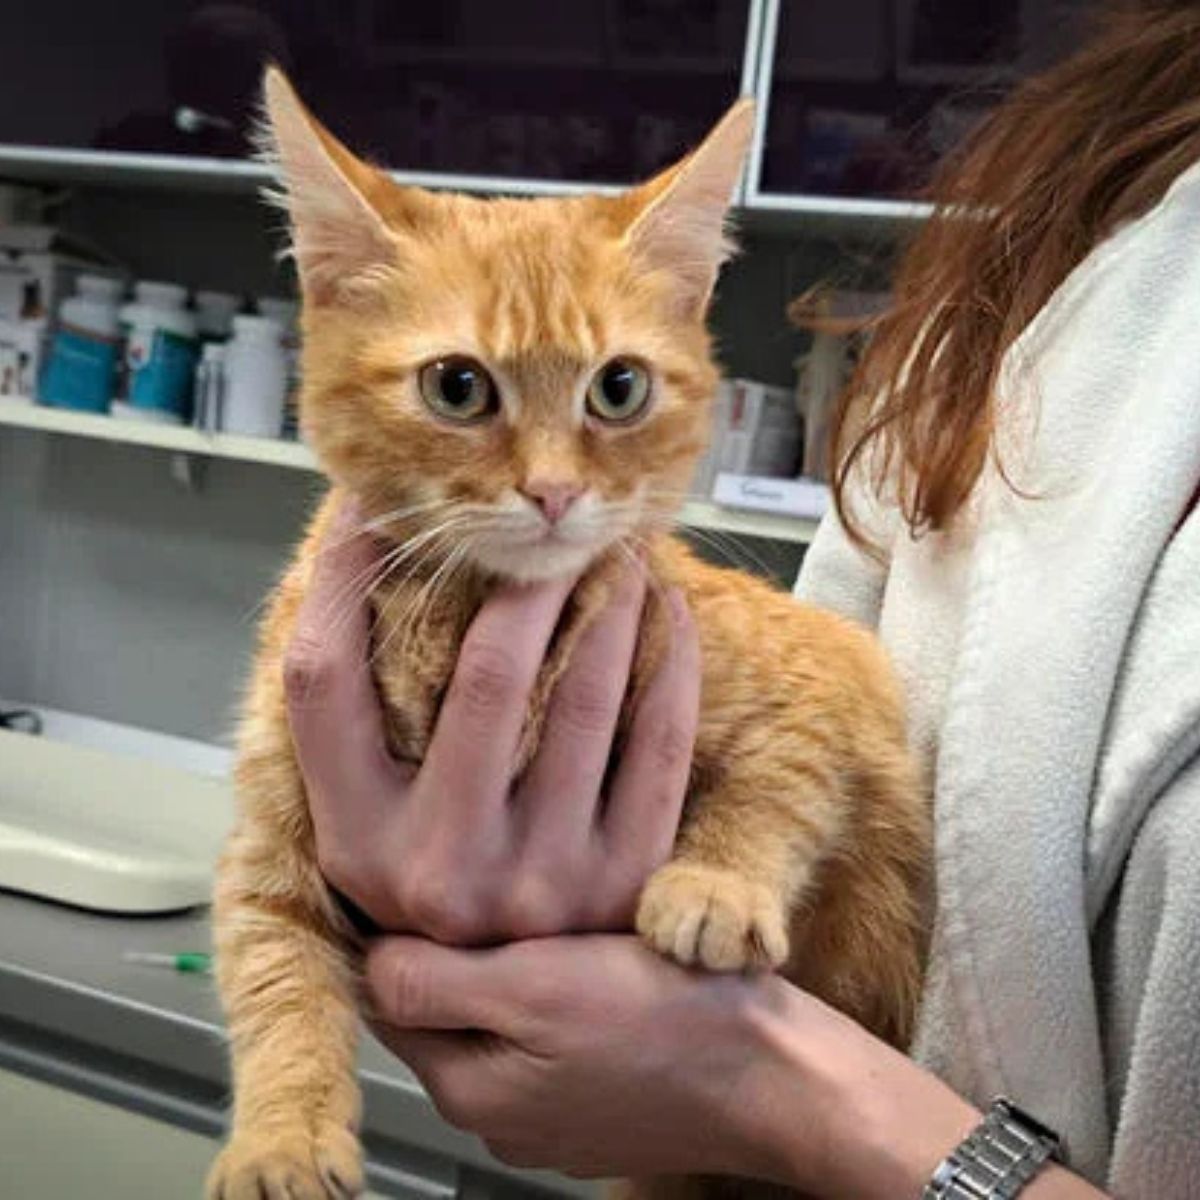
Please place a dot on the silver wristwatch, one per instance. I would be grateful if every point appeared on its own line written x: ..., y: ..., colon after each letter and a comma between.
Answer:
x: 1005, y: 1151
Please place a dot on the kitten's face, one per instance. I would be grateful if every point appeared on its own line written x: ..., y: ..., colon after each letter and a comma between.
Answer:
x: 522, y: 383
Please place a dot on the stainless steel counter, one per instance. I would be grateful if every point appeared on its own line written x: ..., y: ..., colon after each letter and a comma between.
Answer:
x: 74, y: 1014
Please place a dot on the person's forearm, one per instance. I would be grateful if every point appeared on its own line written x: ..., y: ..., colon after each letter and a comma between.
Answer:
x: 1055, y: 1183
x: 887, y: 1122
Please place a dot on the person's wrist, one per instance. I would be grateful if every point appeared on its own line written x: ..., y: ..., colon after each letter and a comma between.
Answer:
x: 838, y: 1113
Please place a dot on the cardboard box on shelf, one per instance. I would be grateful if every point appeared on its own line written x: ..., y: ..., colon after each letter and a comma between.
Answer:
x: 804, y: 498
x: 22, y: 348
x: 38, y: 268
x: 756, y: 429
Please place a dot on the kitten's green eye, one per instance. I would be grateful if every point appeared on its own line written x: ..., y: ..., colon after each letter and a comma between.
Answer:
x: 619, y: 391
x: 458, y: 388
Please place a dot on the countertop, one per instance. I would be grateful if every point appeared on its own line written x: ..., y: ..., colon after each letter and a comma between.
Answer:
x: 73, y: 1013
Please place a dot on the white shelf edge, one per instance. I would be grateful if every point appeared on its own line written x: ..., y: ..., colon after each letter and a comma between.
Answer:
x: 22, y: 414
x: 704, y: 514
x: 38, y: 163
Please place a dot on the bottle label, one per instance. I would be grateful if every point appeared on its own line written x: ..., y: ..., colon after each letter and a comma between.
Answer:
x: 159, y: 368
x: 81, y: 371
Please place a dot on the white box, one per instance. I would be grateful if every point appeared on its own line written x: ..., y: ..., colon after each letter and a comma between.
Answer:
x: 706, y: 467
x: 38, y: 269
x: 804, y: 498
x: 22, y: 349
x: 763, y: 425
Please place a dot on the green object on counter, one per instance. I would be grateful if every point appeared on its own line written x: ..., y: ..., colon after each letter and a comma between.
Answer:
x: 191, y: 962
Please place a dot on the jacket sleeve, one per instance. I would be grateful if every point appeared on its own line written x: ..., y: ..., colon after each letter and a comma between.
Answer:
x: 837, y: 574
x: 1148, y: 976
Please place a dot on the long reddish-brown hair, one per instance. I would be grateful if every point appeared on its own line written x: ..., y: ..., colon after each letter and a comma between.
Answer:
x: 1066, y: 158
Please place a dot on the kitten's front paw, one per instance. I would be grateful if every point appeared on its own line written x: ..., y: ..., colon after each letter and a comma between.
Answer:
x: 286, y: 1166
x: 705, y: 916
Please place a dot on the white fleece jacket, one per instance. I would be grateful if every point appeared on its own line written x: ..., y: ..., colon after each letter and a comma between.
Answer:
x: 1050, y: 650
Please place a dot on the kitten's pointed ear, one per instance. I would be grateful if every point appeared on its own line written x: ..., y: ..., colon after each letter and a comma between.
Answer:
x: 337, y: 233
x: 679, y: 224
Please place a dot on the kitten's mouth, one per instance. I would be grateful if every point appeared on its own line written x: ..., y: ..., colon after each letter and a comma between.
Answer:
x: 553, y: 535
x: 546, y: 553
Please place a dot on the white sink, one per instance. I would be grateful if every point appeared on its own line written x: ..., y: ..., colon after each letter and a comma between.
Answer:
x: 107, y: 831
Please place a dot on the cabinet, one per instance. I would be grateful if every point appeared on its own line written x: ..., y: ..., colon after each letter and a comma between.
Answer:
x: 857, y: 98
x: 591, y: 91
x: 60, y: 1145
x: 861, y: 97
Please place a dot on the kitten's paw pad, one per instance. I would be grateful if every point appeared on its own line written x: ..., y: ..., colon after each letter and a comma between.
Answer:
x: 282, y: 1166
x: 703, y: 916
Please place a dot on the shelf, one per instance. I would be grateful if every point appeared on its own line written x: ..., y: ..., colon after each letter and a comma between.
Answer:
x: 239, y: 176
x: 22, y: 414
x: 704, y: 514
x: 768, y: 212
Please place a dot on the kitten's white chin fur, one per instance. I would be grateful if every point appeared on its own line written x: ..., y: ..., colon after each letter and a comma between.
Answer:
x: 536, y: 561
x: 530, y: 552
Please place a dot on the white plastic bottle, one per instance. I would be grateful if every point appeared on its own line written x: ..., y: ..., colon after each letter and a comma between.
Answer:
x: 160, y: 355
x: 256, y: 378
x: 214, y: 314
x: 287, y: 313
x: 210, y: 387
x: 81, y: 371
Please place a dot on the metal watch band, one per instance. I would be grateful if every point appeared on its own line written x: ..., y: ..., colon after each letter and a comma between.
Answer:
x: 1004, y: 1152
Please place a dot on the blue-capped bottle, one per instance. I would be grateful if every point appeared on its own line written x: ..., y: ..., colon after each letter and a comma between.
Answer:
x: 161, y: 349
x: 81, y: 369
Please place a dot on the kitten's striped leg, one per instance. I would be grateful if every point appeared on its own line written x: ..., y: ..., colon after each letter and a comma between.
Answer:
x: 833, y: 862
x: 746, y: 853
x: 286, y: 981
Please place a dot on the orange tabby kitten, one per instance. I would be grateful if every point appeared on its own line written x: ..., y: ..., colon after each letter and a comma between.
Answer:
x: 529, y: 381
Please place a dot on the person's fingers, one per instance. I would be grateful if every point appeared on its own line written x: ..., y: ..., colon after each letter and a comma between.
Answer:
x: 650, y: 785
x: 474, y: 745
x: 417, y: 984
x: 333, y: 709
x: 561, y: 789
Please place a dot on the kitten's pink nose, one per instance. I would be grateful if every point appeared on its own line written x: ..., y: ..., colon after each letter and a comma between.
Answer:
x: 552, y: 498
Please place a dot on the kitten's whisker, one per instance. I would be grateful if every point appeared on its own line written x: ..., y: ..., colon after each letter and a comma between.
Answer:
x: 326, y: 548
x: 400, y: 514
x: 376, y: 571
x: 383, y: 520
x: 424, y: 547
x: 414, y: 612
x: 726, y: 545
x: 373, y: 571
x: 381, y: 570
x: 353, y: 592
x: 628, y: 546
x: 399, y: 594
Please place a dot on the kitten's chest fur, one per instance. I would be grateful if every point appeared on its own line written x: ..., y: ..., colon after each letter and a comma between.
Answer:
x: 416, y: 643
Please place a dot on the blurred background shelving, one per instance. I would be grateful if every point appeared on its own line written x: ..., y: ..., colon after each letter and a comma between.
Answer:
x: 134, y: 597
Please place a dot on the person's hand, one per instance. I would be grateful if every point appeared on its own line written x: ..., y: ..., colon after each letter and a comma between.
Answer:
x: 456, y: 850
x: 593, y: 1056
